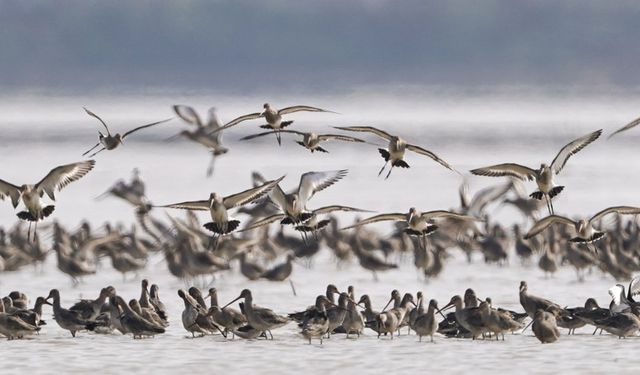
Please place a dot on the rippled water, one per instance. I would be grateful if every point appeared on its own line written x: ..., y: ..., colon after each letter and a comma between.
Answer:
x: 597, y: 177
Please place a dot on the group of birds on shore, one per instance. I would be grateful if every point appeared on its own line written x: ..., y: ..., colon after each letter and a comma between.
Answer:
x: 193, y: 250
x: 472, y: 317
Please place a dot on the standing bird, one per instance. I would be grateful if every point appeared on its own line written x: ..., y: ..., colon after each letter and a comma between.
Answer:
x: 426, y: 324
x: 203, y: 133
x: 418, y: 223
x: 394, y: 154
x: 317, y: 324
x: 544, y: 327
x: 260, y: 318
x: 544, y: 175
x: 273, y: 117
x: 217, y: 205
x: 57, y: 178
x: 584, y: 231
x: 310, y: 141
x: 111, y: 142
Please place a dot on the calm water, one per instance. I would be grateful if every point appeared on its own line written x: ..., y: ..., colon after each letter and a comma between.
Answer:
x: 32, y: 142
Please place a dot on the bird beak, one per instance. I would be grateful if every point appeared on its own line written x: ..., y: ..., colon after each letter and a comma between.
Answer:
x: 413, y: 303
x: 387, y: 305
x: 230, y: 303
x: 439, y: 311
x: 46, y: 302
x: 447, y: 307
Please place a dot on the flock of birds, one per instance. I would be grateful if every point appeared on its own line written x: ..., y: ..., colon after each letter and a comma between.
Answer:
x: 472, y: 317
x: 193, y: 250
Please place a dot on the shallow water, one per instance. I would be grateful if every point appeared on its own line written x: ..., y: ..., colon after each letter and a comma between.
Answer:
x: 596, y: 178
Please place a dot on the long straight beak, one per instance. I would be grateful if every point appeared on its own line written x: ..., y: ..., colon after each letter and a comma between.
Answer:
x: 387, y: 305
x: 447, y: 307
x: 439, y: 311
x: 231, y: 302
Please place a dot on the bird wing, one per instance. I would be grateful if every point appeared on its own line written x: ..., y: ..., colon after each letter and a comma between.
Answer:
x: 622, y: 210
x: 263, y: 221
x: 252, y: 136
x: 327, y: 209
x: 278, y: 197
x: 366, y: 129
x: 443, y: 214
x: 338, y: 137
x: 99, y: 119
x: 11, y: 190
x: 634, y: 288
x: 190, y: 205
x: 313, y: 182
x: 489, y: 194
x: 62, y: 176
x: 188, y: 114
x: 237, y: 120
x: 573, y: 148
x: 626, y: 127
x: 506, y: 169
x: 214, y: 121
x: 144, y: 126
x: 250, y: 194
x: 544, y: 223
x: 377, y: 218
x: 301, y: 108
x: 425, y: 152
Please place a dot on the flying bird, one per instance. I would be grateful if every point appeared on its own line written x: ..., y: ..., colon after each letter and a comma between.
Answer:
x: 218, y: 207
x: 312, y: 224
x: 583, y: 228
x: 294, y: 204
x: 204, y: 132
x: 394, y: 154
x: 111, y: 142
x: 418, y: 223
x: 31, y: 194
x: 310, y: 141
x: 273, y: 117
x: 544, y: 175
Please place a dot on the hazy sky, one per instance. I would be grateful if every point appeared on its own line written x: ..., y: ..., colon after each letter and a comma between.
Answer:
x: 316, y: 46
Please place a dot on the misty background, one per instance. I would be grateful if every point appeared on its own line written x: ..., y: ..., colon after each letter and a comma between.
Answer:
x: 303, y: 46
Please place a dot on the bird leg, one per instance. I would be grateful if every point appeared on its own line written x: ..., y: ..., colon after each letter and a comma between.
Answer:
x: 548, y: 202
x: 91, y: 149
x: 211, y: 163
x: 99, y: 151
x: 383, y: 167
x: 389, y: 174
x: 293, y: 288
